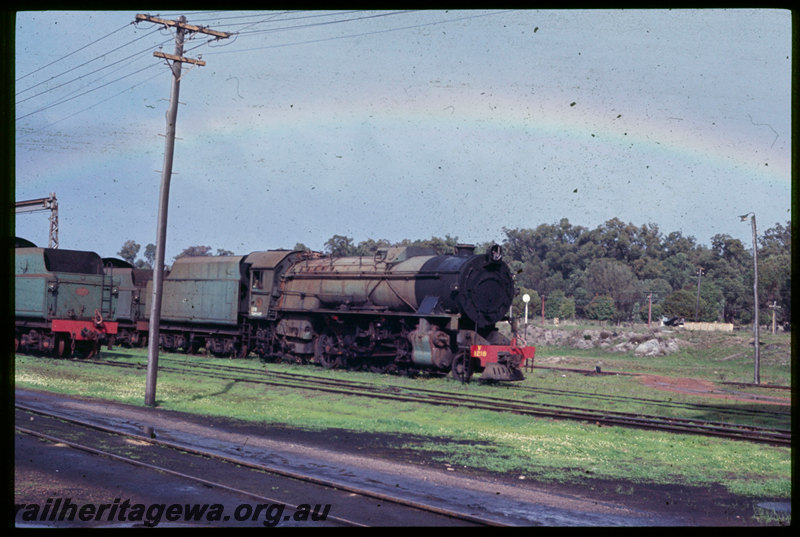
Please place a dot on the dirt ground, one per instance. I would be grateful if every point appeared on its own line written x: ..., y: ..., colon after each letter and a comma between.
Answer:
x: 701, y: 506
x: 707, y: 388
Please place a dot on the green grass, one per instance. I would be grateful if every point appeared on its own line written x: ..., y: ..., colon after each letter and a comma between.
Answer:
x: 540, y: 449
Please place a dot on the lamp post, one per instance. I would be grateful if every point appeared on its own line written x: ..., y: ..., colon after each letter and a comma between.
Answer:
x: 743, y: 218
x: 526, y: 298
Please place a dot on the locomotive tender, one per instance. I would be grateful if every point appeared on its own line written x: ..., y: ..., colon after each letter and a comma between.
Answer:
x: 63, y: 300
x: 131, y: 327
x: 405, y: 308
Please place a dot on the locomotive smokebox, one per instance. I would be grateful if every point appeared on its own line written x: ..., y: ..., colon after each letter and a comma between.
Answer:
x: 479, y: 287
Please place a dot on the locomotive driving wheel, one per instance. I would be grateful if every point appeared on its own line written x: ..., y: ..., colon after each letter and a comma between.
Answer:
x: 327, y: 351
x: 461, y: 368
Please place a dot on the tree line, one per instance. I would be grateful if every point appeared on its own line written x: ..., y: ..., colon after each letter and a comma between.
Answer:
x: 622, y: 272
x: 615, y: 272
x: 130, y: 250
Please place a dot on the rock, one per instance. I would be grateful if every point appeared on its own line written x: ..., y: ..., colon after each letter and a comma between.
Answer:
x: 650, y: 347
x: 647, y: 344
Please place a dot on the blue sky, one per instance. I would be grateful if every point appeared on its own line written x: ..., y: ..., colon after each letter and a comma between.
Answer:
x: 404, y: 125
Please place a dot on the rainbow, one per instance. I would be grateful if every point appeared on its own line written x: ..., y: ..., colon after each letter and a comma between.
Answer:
x: 746, y: 148
x: 579, y: 125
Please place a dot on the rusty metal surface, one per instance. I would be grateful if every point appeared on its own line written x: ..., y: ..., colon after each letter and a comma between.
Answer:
x: 472, y: 285
x: 352, y: 282
x: 267, y: 260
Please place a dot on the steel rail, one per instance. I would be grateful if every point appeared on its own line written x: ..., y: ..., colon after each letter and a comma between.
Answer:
x: 499, y: 400
x: 162, y: 469
x: 727, y: 430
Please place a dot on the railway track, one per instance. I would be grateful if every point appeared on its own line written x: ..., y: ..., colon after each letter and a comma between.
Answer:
x: 766, y: 435
x: 660, y: 403
x: 243, y: 477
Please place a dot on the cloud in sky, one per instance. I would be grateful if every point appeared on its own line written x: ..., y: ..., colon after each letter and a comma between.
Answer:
x: 409, y: 125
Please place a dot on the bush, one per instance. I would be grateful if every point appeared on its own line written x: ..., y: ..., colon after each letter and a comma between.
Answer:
x: 601, y: 308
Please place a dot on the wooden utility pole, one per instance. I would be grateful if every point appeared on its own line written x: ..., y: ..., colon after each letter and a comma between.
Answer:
x: 697, y: 302
x: 773, y: 307
x: 757, y: 359
x: 176, y: 62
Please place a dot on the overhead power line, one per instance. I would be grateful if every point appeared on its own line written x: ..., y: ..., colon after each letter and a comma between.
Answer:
x: 84, y: 93
x: 118, y: 62
x: 62, y: 58
x: 249, y: 21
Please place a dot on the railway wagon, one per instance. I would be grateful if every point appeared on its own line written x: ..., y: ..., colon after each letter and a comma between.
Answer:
x: 132, y: 327
x: 63, y: 301
x: 401, y: 309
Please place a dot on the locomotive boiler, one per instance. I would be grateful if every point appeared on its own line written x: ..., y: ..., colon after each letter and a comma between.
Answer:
x: 479, y: 288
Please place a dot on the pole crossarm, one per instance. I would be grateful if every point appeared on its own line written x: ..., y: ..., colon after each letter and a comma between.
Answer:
x: 179, y: 24
x: 175, y: 58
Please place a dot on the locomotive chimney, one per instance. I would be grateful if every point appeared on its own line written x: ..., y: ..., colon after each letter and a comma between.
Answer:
x: 495, y: 254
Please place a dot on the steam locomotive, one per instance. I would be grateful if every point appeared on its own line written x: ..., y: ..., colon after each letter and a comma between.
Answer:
x: 403, y: 309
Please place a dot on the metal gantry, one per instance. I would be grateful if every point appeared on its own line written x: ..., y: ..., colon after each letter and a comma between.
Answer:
x: 43, y: 204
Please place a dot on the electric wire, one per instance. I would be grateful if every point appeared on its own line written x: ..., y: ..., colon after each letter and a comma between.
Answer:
x: 73, y: 52
x: 249, y: 32
x: 138, y: 53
